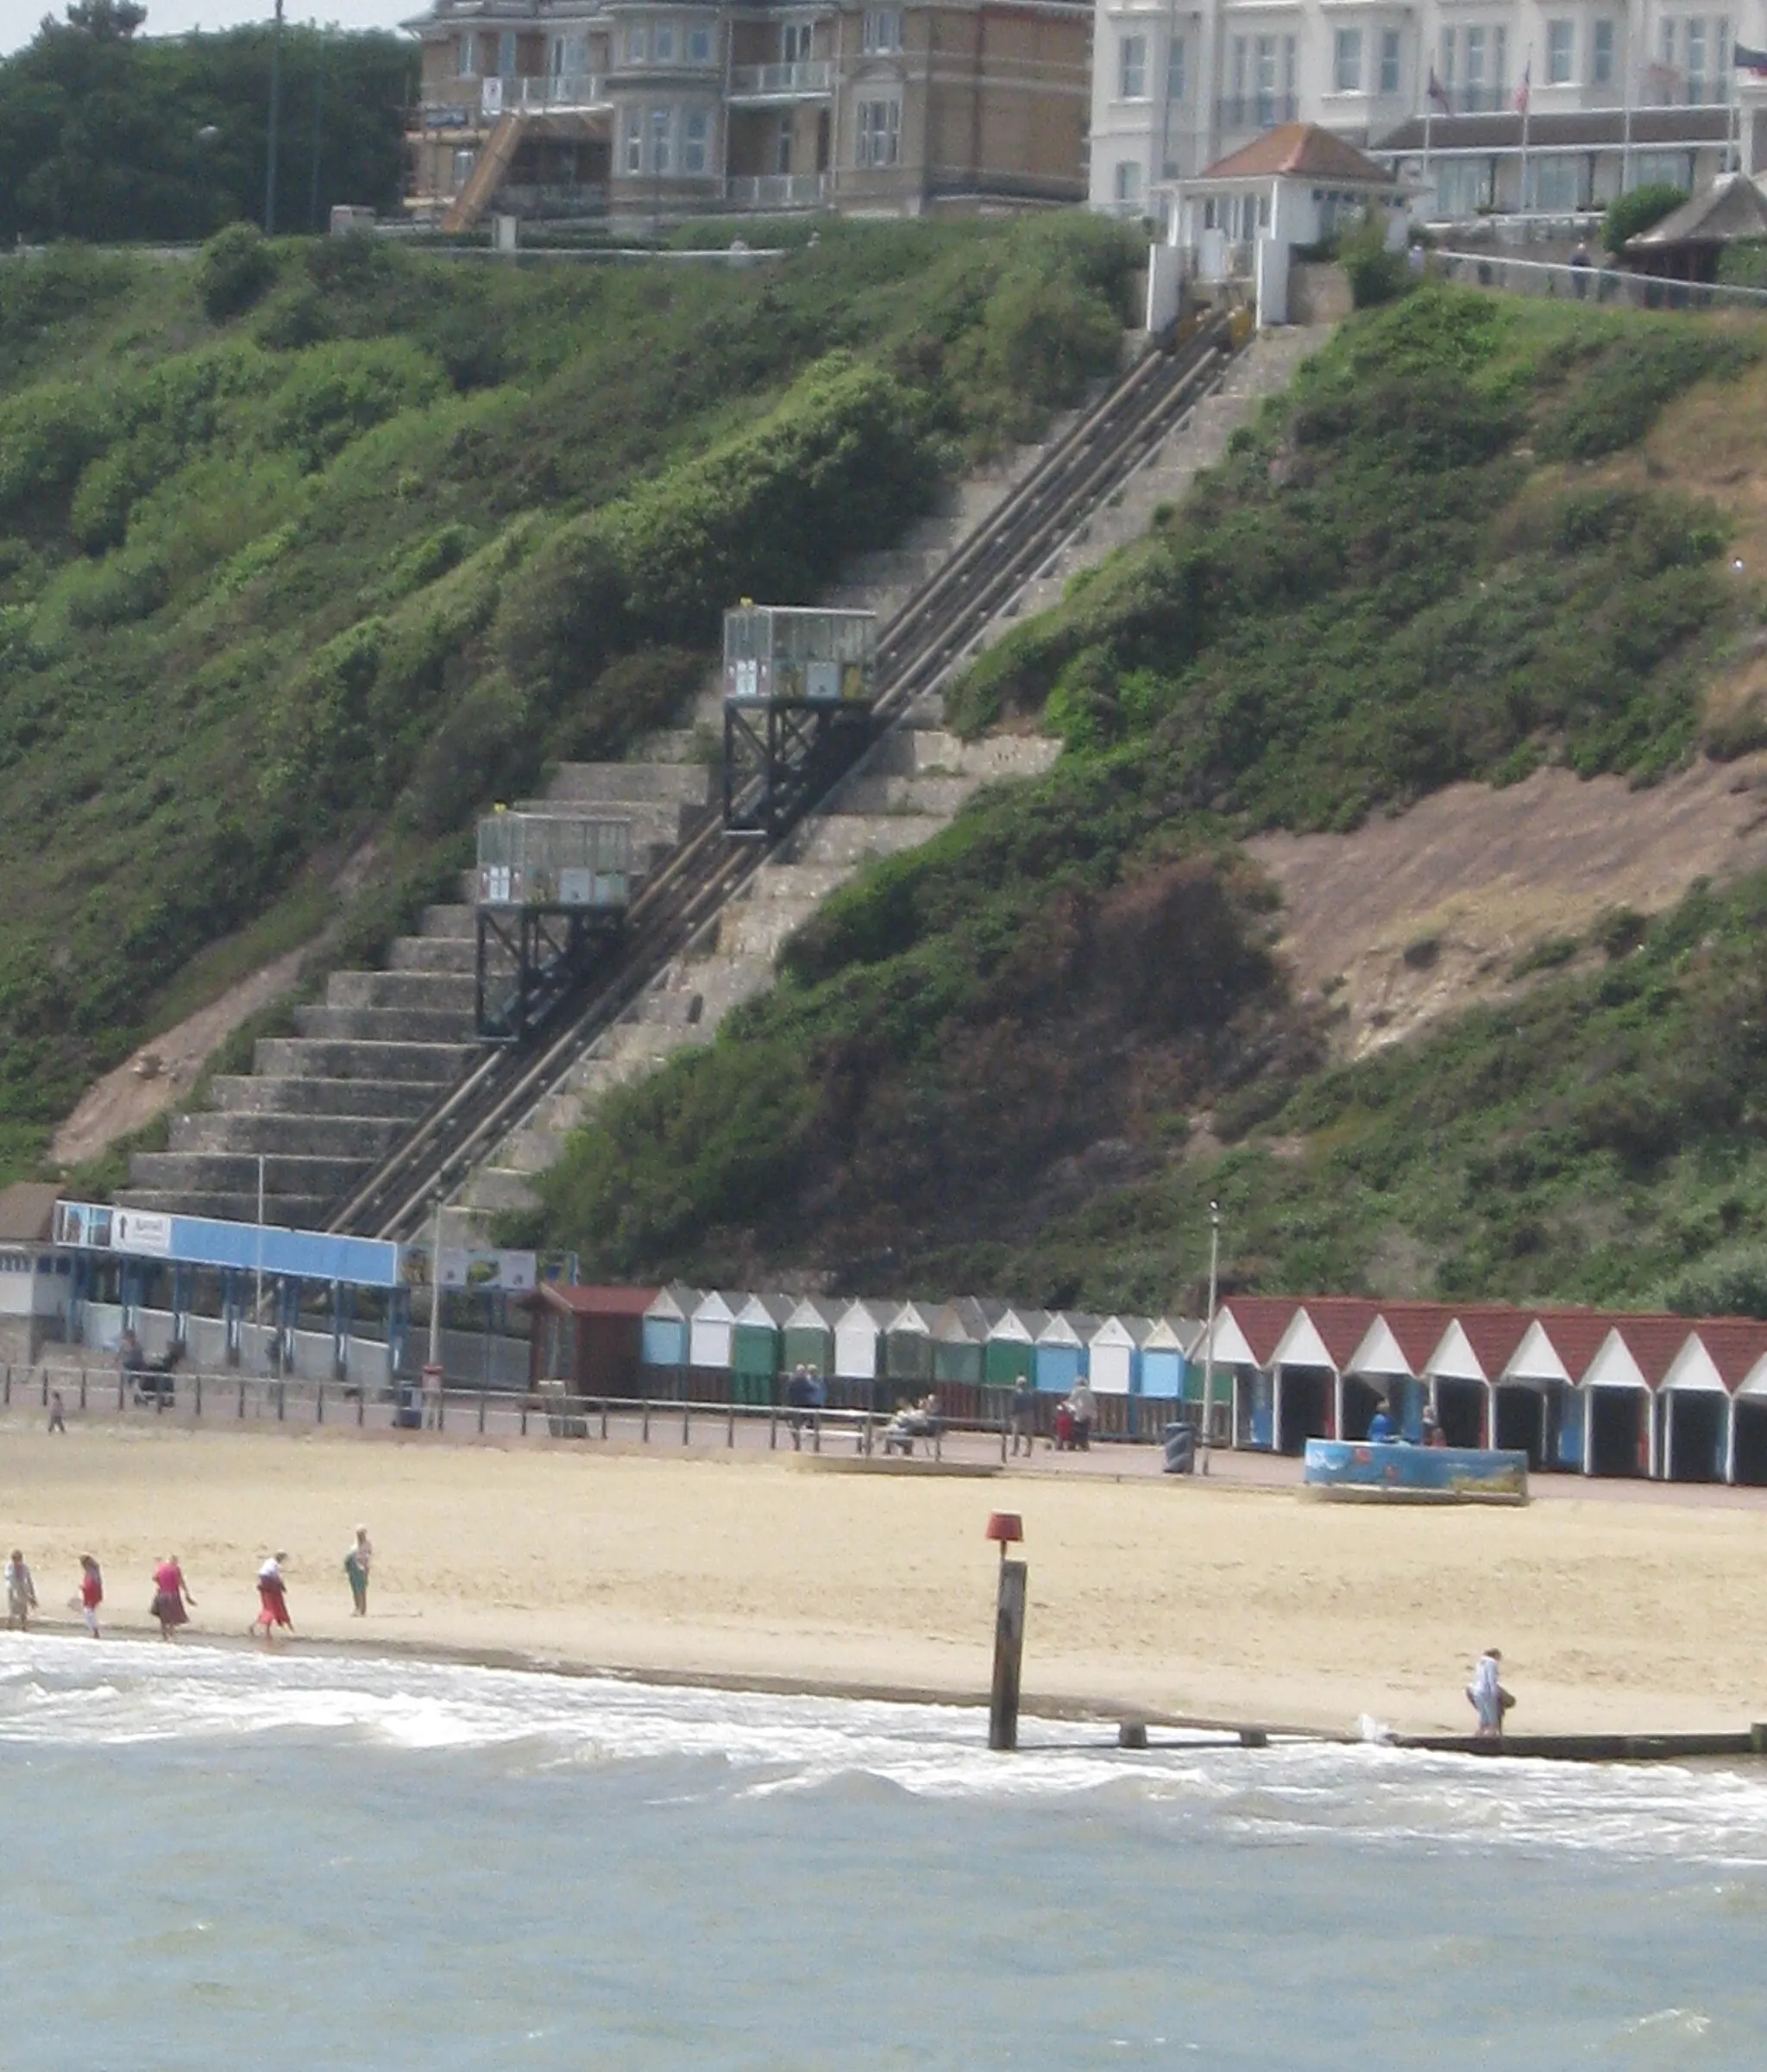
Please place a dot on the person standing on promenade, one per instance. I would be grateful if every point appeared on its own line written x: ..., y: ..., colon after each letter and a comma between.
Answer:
x: 272, y: 1599
x: 357, y: 1564
x: 58, y: 1417
x: 1085, y: 1407
x: 171, y: 1594
x: 21, y: 1592
x: 1486, y: 1695
x: 92, y: 1591
x: 1024, y: 1413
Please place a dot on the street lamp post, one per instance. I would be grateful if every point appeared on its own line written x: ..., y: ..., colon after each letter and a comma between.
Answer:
x: 275, y: 121
x: 1209, y: 1338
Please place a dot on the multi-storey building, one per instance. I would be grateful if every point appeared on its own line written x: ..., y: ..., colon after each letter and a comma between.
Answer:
x: 650, y: 110
x: 1535, y: 106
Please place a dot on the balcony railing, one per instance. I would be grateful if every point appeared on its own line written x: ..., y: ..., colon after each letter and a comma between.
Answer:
x: 777, y: 189
x: 556, y: 90
x: 805, y: 79
x: 1256, y: 111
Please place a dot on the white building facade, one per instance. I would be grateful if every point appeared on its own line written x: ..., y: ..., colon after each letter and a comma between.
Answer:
x: 1618, y: 94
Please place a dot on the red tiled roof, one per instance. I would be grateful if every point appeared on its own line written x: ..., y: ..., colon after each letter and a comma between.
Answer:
x: 1494, y: 1333
x: 1262, y: 1319
x: 1342, y: 1322
x: 1303, y: 150
x: 1417, y: 1327
x: 598, y: 1301
x: 1653, y: 1341
x: 1575, y: 1334
x: 1734, y: 1343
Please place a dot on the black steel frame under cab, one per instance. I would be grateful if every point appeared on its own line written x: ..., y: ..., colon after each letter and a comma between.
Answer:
x: 781, y: 755
x: 544, y: 953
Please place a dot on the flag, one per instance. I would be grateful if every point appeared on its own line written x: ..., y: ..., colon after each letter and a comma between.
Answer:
x: 1523, y: 88
x: 1746, y: 59
x: 1438, y: 92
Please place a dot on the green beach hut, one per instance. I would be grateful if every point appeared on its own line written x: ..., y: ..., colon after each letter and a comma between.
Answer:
x: 809, y: 1336
x: 756, y: 1341
x: 1010, y: 1356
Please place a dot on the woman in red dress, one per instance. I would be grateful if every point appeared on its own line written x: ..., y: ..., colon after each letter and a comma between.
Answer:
x: 272, y: 1599
x: 171, y: 1594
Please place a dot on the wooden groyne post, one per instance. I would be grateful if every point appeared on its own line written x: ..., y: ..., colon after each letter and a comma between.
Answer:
x: 1006, y: 1528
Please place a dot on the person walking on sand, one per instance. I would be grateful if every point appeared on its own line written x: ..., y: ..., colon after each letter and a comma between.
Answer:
x: 21, y: 1592
x: 273, y: 1600
x: 357, y: 1564
x: 1486, y: 1695
x: 171, y: 1594
x: 92, y: 1591
x: 58, y: 1417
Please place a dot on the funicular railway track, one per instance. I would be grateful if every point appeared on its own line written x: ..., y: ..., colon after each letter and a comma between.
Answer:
x: 924, y: 639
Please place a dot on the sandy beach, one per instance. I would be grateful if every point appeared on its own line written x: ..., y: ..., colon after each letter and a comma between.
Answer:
x: 1188, y: 1597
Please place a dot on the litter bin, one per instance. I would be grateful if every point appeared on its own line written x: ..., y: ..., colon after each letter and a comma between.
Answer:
x: 408, y: 1406
x: 564, y: 1414
x: 1180, y: 1449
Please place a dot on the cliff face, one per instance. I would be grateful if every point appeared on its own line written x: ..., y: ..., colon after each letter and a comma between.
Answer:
x: 1478, y: 540
x: 307, y: 551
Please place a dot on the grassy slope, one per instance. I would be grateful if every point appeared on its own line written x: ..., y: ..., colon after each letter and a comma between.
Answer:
x: 337, y: 566
x: 1435, y: 560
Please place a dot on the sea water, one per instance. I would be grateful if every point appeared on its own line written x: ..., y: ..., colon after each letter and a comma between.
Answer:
x: 216, y: 1860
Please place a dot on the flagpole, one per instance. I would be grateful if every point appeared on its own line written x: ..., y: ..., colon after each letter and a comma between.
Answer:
x: 1526, y: 98
x: 1625, y: 131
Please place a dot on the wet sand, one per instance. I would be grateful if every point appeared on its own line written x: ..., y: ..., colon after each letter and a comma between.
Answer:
x: 1218, y: 1600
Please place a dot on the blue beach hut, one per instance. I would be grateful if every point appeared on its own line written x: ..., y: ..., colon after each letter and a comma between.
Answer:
x: 664, y: 1340
x: 1061, y: 1351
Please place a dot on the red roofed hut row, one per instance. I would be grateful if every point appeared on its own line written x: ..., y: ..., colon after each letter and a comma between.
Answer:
x: 1581, y: 1391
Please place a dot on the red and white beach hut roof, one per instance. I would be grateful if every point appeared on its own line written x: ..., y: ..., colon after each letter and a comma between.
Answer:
x: 1325, y: 1331
x: 1721, y: 1355
x: 1635, y: 1352
x: 1250, y: 1327
x: 1479, y: 1343
x: 1400, y: 1339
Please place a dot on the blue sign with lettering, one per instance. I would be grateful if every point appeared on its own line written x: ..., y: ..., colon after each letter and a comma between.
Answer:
x: 1362, y: 1467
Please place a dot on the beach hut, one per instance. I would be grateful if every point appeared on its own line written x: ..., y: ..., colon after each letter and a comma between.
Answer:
x: 1246, y: 1331
x: 663, y: 1347
x: 1061, y: 1351
x: 1619, y: 1386
x: 756, y: 1339
x: 1600, y: 1434
x: 1165, y: 1352
x: 809, y: 1336
x: 590, y: 1337
x: 908, y: 1352
x: 959, y: 1343
x: 1389, y: 1364
x: 1723, y: 1360
x: 1466, y: 1373
x: 709, y: 1345
x: 1009, y: 1355
x: 1307, y: 1387
x: 858, y: 1332
x: 1114, y: 1368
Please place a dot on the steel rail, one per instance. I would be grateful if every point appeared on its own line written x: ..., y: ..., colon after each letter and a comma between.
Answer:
x: 917, y: 645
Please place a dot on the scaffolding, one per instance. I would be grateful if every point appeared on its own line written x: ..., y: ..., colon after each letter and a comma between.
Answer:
x: 798, y: 687
x: 552, y: 893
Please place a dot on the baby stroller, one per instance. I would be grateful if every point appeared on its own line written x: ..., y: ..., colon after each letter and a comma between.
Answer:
x: 1067, y: 1432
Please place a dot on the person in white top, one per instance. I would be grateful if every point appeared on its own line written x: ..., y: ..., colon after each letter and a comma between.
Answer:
x: 1486, y: 1695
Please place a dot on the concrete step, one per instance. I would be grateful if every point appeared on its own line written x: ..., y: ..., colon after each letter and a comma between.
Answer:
x: 798, y: 881
x: 673, y: 783
x: 654, y: 823
x: 434, y: 953
x: 427, y: 992
x: 645, y: 1041
x: 384, y: 1024
x: 317, y: 1058
x: 762, y: 930
x: 392, y: 1100
x: 286, y: 1211
x: 939, y: 797
x: 192, y: 1172
x: 852, y: 837
x: 726, y: 981
x: 288, y: 1136
x: 458, y: 919
x: 675, y: 744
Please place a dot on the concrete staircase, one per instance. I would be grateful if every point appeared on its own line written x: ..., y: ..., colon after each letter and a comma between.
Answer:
x: 907, y: 789
x: 323, y: 1106
x: 1265, y: 368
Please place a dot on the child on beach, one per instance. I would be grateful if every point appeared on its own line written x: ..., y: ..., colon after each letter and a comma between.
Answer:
x: 91, y: 1592
x: 21, y: 1592
x: 273, y: 1600
x: 171, y: 1594
x: 1486, y: 1695
x: 357, y: 1564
